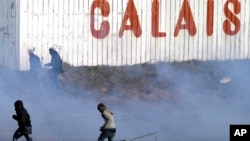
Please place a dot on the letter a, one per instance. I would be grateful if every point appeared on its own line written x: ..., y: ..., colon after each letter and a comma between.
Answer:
x: 237, y: 133
x: 187, y: 16
x: 132, y: 16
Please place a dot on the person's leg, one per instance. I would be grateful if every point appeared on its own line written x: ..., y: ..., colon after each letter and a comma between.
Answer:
x: 102, y: 136
x: 34, y: 80
x: 28, y: 133
x: 28, y: 137
x: 51, y: 79
x: 111, y: 135
x: 54, y: 79
x: 18, y: 133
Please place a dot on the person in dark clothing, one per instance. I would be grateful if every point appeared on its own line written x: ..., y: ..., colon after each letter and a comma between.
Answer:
x: 24, y: 122
x: 56, y: 64
x: 35, y: 67
x: 35, y: 63
x: 56, y: 61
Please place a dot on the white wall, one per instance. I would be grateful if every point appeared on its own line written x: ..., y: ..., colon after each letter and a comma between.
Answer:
x: 66, y: 23
x: 9, y: 41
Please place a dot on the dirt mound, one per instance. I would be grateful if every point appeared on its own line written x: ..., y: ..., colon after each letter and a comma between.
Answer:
x: 144, y: 81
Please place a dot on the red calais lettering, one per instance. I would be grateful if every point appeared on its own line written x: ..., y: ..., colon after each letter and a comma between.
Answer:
x: 185, y: 14
x: 231, y: 17
x: 155, y: 20
x: 210, y: 17
x: 132, y: 16
x: 105, y: 27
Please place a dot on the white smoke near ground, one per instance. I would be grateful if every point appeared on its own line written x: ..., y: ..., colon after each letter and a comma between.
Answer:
x: 194, y: 116
x: 54, y: 118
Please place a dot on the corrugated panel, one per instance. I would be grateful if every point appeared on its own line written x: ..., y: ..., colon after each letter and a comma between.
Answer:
x: 9, y: 45
x: 171, y: 30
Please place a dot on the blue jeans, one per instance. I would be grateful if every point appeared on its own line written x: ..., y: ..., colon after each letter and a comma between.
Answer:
x: 108, y: 133
x: 26, y: 132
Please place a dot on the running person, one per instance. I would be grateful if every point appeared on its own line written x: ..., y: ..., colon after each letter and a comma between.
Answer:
x: 24, y: 123
x: 108, y: 129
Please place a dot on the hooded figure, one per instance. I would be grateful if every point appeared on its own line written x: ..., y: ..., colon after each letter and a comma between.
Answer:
x: 24, y: 122
x: 35, y: 67
x: 35, y: 63
x: 56, y: 61
x: 108, y: 129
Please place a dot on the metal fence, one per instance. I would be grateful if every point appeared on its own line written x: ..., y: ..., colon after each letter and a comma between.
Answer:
x: 127, y: 32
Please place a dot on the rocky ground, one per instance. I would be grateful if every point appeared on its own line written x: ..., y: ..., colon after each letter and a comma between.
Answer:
x: 144, y: 82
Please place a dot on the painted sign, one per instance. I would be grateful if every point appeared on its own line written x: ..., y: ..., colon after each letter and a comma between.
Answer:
x: 231, y: 24
x: 127, y: 32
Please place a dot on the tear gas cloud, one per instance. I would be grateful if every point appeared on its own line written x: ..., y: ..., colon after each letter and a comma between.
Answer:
x: 193, y: 117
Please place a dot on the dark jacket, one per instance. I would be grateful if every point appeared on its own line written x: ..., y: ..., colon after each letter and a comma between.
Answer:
x: 35, y: 63
x: 56, y: 61
x: 22, y: 116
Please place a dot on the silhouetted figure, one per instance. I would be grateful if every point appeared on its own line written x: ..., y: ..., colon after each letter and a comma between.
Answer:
x: 108, y: 129
x: 35, y: 67
x: 24, y: 122
x: 56, y: 64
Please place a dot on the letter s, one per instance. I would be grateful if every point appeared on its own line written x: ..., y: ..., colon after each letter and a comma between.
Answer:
x: 231, y: 17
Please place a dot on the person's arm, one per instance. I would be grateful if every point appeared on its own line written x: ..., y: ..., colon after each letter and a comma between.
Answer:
x: 15, y: 117
x: 48, y: 64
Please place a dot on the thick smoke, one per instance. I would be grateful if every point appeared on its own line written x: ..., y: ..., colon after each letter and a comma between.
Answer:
x: 196, y: 115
